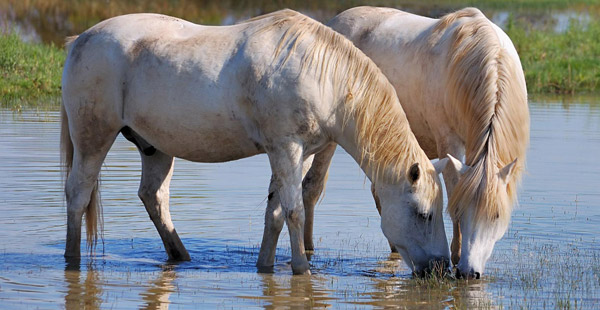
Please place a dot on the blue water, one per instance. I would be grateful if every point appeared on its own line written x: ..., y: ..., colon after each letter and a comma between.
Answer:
x: 550, y: 256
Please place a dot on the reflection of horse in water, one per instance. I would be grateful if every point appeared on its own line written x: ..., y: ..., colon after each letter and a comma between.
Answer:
x: 86, y: 295
x: 281, y: 84
x: 158, y: 293
x: 294, y: 292
x: 460, y: 82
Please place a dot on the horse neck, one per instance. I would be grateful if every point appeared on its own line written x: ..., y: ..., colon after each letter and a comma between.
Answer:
x: 380, y: 141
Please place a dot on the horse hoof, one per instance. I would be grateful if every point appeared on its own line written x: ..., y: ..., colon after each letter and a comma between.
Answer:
x: 302, y: 269
x: 305, y: 272
x: 265, y: 269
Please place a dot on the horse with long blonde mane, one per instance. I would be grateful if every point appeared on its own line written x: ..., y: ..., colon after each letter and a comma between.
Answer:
x: 461, y: 84
x: 281, y: 84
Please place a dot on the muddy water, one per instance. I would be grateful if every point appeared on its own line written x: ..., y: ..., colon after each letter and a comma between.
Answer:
x: 550, y: 257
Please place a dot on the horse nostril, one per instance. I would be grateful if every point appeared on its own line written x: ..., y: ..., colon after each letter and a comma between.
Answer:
x: 472, y: 274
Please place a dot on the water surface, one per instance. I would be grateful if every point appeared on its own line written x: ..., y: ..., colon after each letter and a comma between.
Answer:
x: 550, y: 256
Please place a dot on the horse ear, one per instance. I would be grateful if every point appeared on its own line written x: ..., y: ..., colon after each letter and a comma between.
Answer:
x: 413, y: 173
x: 440, y: 165
x: 457, y: 165
x: 506, y: 172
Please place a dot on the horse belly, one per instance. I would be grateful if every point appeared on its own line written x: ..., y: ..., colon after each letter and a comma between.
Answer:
x: 196, y: 134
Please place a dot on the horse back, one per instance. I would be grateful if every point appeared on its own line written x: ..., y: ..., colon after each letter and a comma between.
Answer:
x: 170, y: 81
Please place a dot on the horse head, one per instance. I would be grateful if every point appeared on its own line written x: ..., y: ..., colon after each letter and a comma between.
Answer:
x: 480, y: 226
x: 411, y: 217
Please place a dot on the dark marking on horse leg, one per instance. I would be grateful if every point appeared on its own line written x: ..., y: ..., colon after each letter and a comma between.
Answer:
x: 270, y: 195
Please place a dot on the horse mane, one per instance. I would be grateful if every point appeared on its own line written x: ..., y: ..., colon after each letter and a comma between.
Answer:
x: 487, y: 86
x: 383, y: 133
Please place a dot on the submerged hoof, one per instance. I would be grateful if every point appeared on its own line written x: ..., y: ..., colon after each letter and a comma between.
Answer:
x: 265, y: 269
x: 179, y: 256
x: 301, y: 272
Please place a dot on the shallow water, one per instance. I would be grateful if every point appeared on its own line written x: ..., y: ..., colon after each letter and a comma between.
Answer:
x: 550, y: 256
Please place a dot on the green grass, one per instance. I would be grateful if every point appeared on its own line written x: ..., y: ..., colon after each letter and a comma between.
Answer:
x: 566, y: 63
x: 30, y: 72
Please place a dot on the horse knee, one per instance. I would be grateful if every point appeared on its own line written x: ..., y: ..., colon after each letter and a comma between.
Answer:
x: 295, y: 216
x: 273, y: 216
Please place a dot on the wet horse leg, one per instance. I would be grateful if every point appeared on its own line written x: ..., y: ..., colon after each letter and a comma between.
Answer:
x: 314, y: 170
x: 286, y: 165
x: 452, y: 145
x: 80, y: 186
x: 81, y: 182
x: 273, y: 225
x: 312, y: 187
x: 157, y: 171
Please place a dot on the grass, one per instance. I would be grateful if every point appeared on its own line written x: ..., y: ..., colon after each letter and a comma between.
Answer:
x: 566, y: 63
x: 52, y: 20
x: 30, y: 72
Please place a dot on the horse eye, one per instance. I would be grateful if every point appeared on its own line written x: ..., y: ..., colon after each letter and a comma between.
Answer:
x: 425, y: 216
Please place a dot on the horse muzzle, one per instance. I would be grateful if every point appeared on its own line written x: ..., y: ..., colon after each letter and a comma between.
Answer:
x: 471, y: 275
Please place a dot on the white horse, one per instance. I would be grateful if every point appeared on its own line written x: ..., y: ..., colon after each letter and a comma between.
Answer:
x: 460, y: 81
x: 281, y: 84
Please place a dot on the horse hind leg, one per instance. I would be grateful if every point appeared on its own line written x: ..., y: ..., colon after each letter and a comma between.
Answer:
x: 81, y: 190
x: 157, y: 170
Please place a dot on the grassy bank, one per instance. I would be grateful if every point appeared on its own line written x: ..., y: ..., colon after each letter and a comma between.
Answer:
x: 566, y: 63
x: 52, y: 20
x: 30, y: 72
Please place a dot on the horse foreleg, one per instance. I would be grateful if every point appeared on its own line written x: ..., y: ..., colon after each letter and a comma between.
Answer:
x: 456, y: 243
x: 273, y: 225
x: 157, y: 171
x: 452, y: 145
x: 286, y: 165
x: 312, y: 187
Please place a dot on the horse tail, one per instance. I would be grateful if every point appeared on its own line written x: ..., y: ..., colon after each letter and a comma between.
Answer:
x: 93, y: 212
